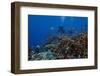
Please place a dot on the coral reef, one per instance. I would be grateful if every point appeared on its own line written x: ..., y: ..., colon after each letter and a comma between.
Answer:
x: 61, y: 46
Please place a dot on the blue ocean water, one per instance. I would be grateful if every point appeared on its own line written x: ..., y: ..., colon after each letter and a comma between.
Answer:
x: 41, y: 26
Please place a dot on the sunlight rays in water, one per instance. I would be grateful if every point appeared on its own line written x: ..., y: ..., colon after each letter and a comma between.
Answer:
x: 62, y: 20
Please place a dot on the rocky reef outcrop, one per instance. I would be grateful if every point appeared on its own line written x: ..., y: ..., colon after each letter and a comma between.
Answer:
x: 62, y: 47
